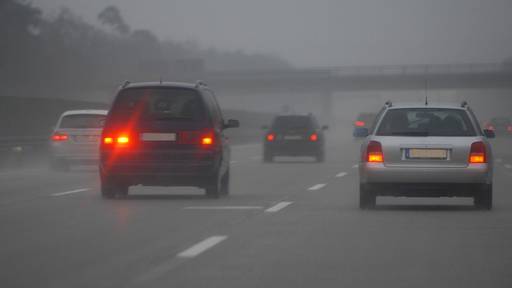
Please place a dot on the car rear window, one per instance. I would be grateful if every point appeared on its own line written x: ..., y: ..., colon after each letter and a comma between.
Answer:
x: 292, y: 122
x: 426, y: 122
x: 178, y: 104
x: 83, y: 121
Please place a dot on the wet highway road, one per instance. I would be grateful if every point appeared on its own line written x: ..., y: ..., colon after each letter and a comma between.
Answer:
x: 294, y: 223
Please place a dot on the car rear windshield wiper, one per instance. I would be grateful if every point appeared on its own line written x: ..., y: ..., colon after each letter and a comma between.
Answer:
x: 411, y: 133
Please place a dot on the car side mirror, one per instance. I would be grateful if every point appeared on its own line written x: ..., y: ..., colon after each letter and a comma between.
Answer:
x: 361, y: 132
x: 489, y: 133
x: 232, y: 123
x: 325, y: 127
x: 264, y: 127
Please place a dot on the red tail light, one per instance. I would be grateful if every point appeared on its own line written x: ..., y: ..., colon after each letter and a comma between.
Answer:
x: 374, y: 152
x: 59, y: 136
x: 204, y: 138
x: 509, y: 128
x: 490, y: 127
x: 271, y: 137
x: 477, y: 153
x: 120, y: 140
x: 359, y: 123
x: 313, y: 137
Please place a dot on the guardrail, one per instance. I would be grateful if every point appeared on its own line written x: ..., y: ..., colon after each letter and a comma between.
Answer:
x: 16, y: 151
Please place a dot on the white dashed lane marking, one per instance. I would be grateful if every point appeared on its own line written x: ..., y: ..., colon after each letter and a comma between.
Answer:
x: 277, y: 207
x: 316, y: 187
x: 71, y: 192
x: 202, y: 246
x: 355, y: 166
x: 342, y: 174
x: 508, y: 166
x: 223, y: 208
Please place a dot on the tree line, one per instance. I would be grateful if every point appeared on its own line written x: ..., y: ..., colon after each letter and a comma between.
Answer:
x: 66, y: 57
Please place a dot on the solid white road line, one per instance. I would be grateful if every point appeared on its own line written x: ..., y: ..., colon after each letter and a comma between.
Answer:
x: 278, y: 207
x: 508, y: 166
x: 316, y: 187
x: 342, y: 174
x: 71, y: 192
x: 355, y: 166
x: 202, y: 246
x: 223, y: 208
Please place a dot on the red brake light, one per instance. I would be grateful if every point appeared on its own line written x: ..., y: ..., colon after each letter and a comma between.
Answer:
x: 123, y: 140
x: 509, y: 128
x: 374, y: 152
x: 490, y: 127
x: 58, y: 136
x: 359, y: 123
x: 313, y: 137
x: 477, y: 153
x: 207, y: 140
x: 271, y: 137
x: 120, y: 140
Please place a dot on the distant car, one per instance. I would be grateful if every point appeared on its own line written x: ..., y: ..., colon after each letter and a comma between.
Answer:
x: 426, y: 151
x: 76, y: 138
x: 165, y: 134
x: 294, y: 135
x: 363, y: 120
x: 502, y: 126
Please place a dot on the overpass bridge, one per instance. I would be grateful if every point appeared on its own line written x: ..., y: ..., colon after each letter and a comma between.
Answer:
x: 357, y: 78
x: 322, y: 83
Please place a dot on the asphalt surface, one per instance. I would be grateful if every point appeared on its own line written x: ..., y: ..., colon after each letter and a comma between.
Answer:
x: 293, y: 223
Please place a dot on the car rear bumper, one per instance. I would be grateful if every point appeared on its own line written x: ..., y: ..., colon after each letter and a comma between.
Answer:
x: 425, y: 189
x: 379, y: 173
x: 293, y: 148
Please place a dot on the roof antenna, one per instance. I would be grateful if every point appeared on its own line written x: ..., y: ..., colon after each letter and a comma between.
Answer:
x: 426, y: 92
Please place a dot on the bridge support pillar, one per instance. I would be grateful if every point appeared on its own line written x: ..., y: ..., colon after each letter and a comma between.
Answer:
x: 326, y: 102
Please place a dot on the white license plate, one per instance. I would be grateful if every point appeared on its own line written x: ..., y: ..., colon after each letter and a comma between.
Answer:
x: 158, y: 136
x: 87, y: 138
x: 428, y: 153
x: 293, y: 137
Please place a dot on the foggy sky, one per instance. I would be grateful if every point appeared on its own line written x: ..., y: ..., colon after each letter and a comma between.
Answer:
x: 326, y: 32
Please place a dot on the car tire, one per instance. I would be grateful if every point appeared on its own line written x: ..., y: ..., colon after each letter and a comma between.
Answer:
x: 483, y: 197
x: 367, y: 199
x: 59, y: 165
x: 214, y: 188
x: 320, y: 157
x: 225, y: 184
x: 110, y: 188
x: 268, y: 156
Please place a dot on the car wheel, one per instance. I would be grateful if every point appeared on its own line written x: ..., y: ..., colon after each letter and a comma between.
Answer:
x: 320, y: 157
x: 483, y: 197
x: 225, y: 184
x: 213, y: 190
x: 267, y: 156
x: 60, y: 165
x: 367, y: 199
x: 110, y: 188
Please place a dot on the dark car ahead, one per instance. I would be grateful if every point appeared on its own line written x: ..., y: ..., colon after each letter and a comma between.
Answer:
x: 502, y: 126
x: 165, y: 134
x: 294, y: 135
x: 363, y: 120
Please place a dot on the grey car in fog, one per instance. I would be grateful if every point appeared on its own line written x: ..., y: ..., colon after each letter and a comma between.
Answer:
x: 426, y: 151
x: 76, y: 138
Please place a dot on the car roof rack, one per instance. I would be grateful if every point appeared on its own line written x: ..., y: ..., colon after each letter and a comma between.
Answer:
x: 201, y: 83
x: 464, y: 104
x: 388, y: 104
x: 126, y: 83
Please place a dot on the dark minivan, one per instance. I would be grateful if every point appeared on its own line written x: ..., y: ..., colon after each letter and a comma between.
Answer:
x: 165, y: 134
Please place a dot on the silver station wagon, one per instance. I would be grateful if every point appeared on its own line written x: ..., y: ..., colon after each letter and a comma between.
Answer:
x: 426, y: 151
